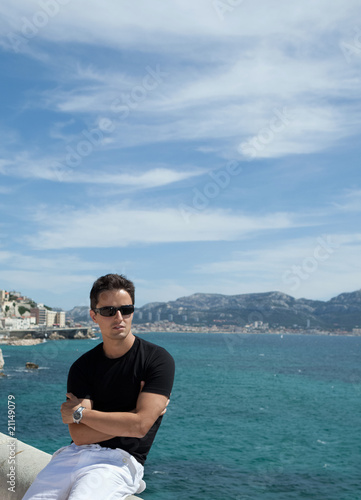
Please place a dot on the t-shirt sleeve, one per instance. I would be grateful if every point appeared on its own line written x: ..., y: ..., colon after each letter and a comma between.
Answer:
x: 159, y: 374
x: 79, y: 382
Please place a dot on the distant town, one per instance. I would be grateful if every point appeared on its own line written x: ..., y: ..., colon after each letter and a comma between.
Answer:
x: 257, y: 327
x: 20, y: 313
x: 24, y: 322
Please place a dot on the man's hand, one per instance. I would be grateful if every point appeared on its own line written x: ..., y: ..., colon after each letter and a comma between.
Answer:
x: 68, y: 408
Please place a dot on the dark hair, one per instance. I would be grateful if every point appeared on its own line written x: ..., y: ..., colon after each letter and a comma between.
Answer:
x: 110, y: 282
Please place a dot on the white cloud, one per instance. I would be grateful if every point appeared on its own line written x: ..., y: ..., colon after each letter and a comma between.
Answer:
x: 120, y: 24
x: 223, y: 105
x: 62, y: 170
x: 120, y: 226
x: 146, y: 180
x: 247, y: 65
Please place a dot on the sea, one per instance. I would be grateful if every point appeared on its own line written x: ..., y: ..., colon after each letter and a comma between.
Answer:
x: 268, y: 417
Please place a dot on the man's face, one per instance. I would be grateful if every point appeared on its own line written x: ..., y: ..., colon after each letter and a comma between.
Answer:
x: 113, y: 327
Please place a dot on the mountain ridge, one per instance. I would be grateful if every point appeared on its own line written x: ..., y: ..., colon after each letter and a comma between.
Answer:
x: 274, y: 308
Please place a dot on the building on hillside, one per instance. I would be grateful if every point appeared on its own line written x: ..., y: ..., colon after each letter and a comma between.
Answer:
x: 60, y: 319
x: 50, y: 318
x: 9, y: 307
x: 6, y: 323
x: 17, y: 323
x: 39, y: 313
x: 45, y: 317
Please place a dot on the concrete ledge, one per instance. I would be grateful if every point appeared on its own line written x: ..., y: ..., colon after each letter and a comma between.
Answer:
x: 28, y: 462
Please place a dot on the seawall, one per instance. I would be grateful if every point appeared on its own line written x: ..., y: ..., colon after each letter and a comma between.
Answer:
x: 21, y: 462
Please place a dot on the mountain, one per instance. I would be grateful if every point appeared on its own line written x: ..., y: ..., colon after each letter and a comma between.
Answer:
x: 343, y: 311
x: 79, y: 314
x: 274, y: 308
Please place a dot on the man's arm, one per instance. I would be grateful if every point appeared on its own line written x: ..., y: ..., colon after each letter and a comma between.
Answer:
x: 82, y: 434
x: 126, y: 424
x: 97, y: 426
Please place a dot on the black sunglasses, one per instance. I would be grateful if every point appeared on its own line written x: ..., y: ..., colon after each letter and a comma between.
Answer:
x: 112, y: 311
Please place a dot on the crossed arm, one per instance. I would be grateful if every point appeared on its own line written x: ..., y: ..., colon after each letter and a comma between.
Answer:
x: 97, y: 426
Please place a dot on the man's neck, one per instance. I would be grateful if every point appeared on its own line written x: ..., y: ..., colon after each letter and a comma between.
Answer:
x: 117, y: 348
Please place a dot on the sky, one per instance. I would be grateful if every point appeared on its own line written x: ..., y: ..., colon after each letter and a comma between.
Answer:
x: 196, y: 147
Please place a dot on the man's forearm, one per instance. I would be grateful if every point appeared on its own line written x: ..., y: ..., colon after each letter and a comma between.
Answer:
x: 135, y: 423
x: 83, y: 434
x: 125, y: 424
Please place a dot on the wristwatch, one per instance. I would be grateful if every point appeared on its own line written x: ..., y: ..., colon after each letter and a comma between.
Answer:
x: 78, y: 414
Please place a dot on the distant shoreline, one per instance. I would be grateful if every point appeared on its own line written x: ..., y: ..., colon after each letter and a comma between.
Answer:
x: 233, y: 330
x: 16, y: 341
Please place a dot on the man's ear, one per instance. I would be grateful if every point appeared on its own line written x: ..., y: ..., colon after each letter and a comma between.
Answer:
x: 93, y: 315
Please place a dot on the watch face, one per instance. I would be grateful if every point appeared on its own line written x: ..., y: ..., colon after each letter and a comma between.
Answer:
x: 77, y: 414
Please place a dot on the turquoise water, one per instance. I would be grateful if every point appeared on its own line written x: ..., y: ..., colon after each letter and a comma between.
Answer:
x: 251, y: 416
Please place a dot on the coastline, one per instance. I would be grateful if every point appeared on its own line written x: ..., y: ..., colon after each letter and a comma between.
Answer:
x: 166, y: 326
x: 29, y: 337
x: 15, y: 341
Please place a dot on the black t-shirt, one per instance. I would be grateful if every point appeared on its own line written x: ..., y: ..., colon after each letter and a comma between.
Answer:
x: 114, y: 385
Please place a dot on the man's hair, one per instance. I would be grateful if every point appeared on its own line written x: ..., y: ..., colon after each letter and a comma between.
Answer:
x: 110, y: 282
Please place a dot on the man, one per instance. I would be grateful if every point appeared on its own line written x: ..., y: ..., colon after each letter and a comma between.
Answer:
x: 117, y: 395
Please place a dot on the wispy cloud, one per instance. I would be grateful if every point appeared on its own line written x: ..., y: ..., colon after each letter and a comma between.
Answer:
x: 203, y: 101
x: 193, y: 105
x: 102, y: 227
x: 61, y: 169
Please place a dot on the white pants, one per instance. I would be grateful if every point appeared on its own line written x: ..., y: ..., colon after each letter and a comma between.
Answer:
x: 88, y: 472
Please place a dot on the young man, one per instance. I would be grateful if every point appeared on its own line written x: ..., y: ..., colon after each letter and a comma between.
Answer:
x: 117, y: 395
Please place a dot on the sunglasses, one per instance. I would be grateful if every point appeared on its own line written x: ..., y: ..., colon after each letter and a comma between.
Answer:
x: 112, y: 311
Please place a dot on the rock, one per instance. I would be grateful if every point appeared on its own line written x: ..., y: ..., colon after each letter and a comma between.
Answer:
x: 56, y: 336
x: 13, y: 341
x: 2, y: 362
x: 80, y: 335
x: 31, y: 366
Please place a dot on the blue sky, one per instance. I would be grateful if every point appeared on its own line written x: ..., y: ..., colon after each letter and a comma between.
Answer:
x: 208, y: 146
